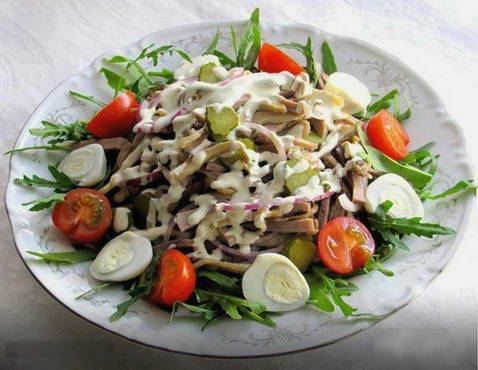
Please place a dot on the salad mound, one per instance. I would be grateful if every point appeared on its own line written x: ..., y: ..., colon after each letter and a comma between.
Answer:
x: 237, y: 186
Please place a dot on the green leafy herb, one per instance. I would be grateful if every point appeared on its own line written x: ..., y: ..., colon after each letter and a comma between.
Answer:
x: 119, y: 82
x: 381, y: 162
x: 205, y: 312
x: 235, y: 307
x: 167, y: 74
x: 91, y: 99
x: 184, y: 55
x: 52, y: 147
x: 224, y: 59
x: 94, y: 290
x: 463, y: 186
x: 380, y: 220
x: 140, y: 289
x: 213, y: 45
x: 77, y: 256
x: 250, y: 43
x: 224, y: 281
x: 374, y: 264
x: 308, y: 52
x: 233, y: 38
x: 61, y: 181
x: 328, y: 60
x: 58, y: 133
x: 114, y: 80
x: 326, y: 292
x: 390, y: 99
x: 45, y: 203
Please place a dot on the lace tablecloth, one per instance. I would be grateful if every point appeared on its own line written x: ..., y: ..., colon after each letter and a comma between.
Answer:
x: 44, y: 42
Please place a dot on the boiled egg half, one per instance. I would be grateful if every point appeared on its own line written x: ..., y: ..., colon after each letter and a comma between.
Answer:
x: 123, y: 258
x: 406, y: 203
x: 355, y: 94
x: 86, y: 166
x: 274, y: 281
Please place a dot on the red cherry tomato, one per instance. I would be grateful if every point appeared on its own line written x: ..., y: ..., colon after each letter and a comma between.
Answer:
x: 177, y: 279
x: 344, y: 245
x: 273, y: 60
x: 84, y: 216
x: 387, y: 135
x: 117, y: 118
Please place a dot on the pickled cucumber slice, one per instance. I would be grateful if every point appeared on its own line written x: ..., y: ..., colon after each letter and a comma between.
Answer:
x: 229, y: 161
x: 314, y: 137
x: 301, y: 251
x: 296, y: 180
x: 141, y: 209
x: 206, y: 73
x: 221, y: 122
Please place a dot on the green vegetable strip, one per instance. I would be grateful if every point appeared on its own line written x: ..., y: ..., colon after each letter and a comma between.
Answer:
x: 328, y: 60
x: 66, y: 257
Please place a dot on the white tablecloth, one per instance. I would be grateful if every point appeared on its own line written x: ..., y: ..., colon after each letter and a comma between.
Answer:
x: 43, y: 42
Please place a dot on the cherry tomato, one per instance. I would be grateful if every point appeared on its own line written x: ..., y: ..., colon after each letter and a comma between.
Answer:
x: 84, y: 216
x: 177, y: 279
x: 117, y: 118
x: 344, y: 245
x: 387, y: 135
x: 273, y: 60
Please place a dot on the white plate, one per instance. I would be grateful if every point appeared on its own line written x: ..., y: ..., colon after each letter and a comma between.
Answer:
x: 299, y: 330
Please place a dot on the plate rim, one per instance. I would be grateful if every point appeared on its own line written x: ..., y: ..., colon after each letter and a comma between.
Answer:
x: 467, y: 163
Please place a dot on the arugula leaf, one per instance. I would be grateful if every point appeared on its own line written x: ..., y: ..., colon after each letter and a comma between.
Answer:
x: 463, y: 186
x: 167, y: 74
x: 381, y: 162
x: 422, y: 159
x: 328, y: 60
x: 61, y: 181
x: 382, y: 221
x: 184, y: 55
x: 235, y: 307
x: 156, y: 53
x: 114, y: 80
x: 224, y: 59
x: 233, y: 39
x: 250, y: 43
x: 374, y: 264
x: 45, y: 203
x: 325, y: 290
x: 77, y: 256
x: 390, y: 99
x: 37, y: 147
x: 213, y: 45
x: 205, y: 312
x: 224, y: 281
x: 59, y: 133
x: 91, y: 99
x: 140, y: 289
x: 308, y: 52
x: 94, y: 290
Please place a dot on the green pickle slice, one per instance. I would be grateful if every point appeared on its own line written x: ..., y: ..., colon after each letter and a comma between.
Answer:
x: 301, y: 251
x: 221, y: 122
x: 229, y: 161
x: 296, y: 180
x: 206, y: 73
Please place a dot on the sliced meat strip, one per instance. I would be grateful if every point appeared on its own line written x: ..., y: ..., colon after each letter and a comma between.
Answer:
x: 302, y: 226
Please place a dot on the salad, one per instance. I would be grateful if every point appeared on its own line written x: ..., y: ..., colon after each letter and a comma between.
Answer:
x: 236, y: 186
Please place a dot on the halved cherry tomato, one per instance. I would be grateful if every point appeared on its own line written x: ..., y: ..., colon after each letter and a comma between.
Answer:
x: 387, y: 135
x: 344, y: 245
x: 177, y: 279
x: 117, y: 118
x: 84, y: 216
x: 273, y: 60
